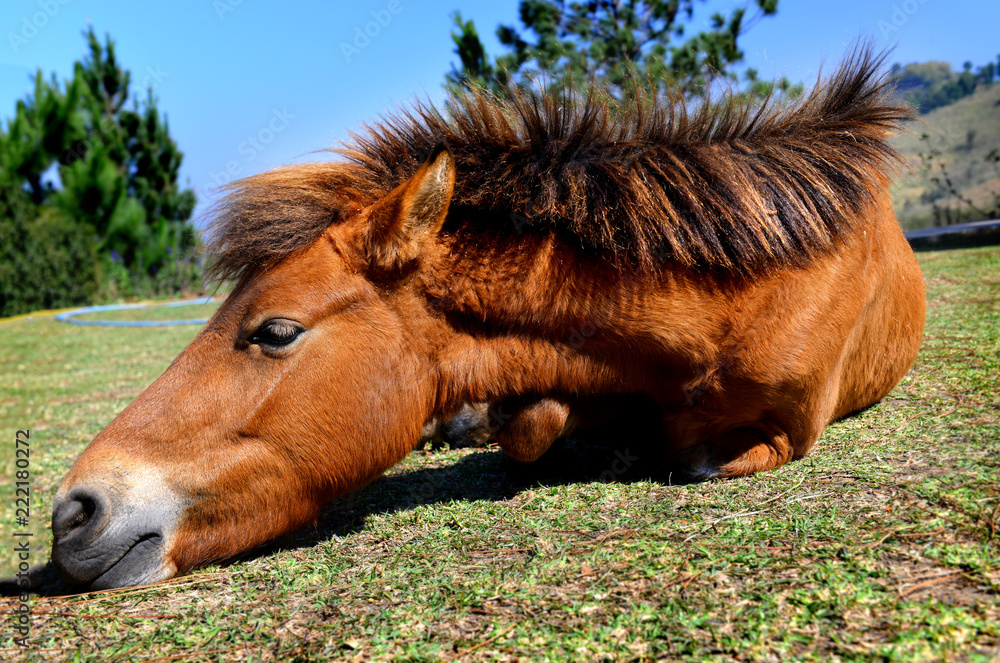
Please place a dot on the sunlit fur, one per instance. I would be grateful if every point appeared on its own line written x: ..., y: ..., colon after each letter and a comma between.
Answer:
x: 738, y: 271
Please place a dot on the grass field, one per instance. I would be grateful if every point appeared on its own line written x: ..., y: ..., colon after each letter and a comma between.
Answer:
x: 884, y: 543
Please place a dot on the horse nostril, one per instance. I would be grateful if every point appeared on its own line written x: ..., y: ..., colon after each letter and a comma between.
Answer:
x: 107, y: 533
x: 78, y: 512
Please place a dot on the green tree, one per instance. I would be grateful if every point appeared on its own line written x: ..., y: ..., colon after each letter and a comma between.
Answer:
x: 96, y: 178
x: 47, y: 258
x: 930, y: 85
x: 987, y: 73
x: 616, y: 41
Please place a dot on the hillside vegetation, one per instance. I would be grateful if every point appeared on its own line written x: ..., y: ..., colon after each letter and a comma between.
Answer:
x: 964, y: 138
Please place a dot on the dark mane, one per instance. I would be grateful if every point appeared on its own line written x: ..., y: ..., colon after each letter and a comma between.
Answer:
x: 729, y: 185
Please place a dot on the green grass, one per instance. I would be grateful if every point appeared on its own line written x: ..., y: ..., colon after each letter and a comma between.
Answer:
x: 65, y: 383
x: 883, y: 544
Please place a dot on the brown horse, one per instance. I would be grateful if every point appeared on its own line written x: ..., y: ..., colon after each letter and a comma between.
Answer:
x: 735, y: 270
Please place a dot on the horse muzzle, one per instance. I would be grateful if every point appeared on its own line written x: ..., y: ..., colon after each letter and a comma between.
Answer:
x: 114, y: 532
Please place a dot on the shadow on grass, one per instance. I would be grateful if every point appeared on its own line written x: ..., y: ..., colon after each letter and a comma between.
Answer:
x: 481, y: 475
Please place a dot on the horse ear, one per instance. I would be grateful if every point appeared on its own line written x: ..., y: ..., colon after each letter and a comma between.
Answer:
x: 401, y: 223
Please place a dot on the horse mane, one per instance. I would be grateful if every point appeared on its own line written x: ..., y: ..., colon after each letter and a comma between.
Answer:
x: 729, y: 185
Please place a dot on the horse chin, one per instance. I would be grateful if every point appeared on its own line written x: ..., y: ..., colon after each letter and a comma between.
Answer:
x: 116, y: 532
x: 138, y: 566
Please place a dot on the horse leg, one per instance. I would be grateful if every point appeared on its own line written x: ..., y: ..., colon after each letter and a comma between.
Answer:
x: 529, y: 426
x: 739, y: 452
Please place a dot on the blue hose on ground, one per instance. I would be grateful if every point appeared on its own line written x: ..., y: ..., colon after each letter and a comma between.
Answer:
x: 70, y: 316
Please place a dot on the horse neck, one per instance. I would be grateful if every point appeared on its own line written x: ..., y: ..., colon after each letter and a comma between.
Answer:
x: 528, y: 314
x: 528, y: 284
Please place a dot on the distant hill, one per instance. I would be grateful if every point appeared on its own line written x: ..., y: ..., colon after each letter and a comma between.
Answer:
x: 930, y: 85
x: 963, y: 136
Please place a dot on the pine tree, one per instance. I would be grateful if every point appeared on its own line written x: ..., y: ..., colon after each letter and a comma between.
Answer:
x: 97, y: 177
x: 618, y: 42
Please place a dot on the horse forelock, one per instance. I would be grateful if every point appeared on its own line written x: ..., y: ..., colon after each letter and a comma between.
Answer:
x: 728, y: 185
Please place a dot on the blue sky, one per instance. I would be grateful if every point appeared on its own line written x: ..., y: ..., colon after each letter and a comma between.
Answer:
x: 248, y: 85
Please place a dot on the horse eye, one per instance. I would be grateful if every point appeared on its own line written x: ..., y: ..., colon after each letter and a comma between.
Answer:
x: 276, y: 333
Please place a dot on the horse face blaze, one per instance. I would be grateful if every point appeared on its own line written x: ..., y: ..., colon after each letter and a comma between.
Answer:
x: 303, y: 386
